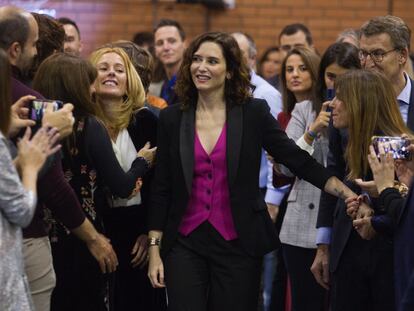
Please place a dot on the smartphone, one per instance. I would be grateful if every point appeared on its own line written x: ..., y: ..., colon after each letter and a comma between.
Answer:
x: 38, y: 106
x: 396, y: 145
x: 330, y: 94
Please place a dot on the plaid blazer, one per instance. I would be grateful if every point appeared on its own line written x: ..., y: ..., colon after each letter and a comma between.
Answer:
x: 299, y: 224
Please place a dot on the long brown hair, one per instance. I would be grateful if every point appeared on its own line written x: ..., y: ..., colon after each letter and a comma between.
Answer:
x: 311, y: 61
x: 237, y: 88
x: 69, y: 78
x: 5, y: 95
x: 372, y: 108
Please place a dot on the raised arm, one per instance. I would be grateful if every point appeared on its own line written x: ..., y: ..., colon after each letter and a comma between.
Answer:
x: 101, y: 153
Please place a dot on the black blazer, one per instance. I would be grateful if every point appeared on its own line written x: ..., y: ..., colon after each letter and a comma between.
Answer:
x: 142, y: 129
x: 250, y: 127
x: 332, y: 212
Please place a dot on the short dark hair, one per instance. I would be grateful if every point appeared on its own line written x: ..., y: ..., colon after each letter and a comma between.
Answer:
x: 291, y: 29
x: 394, y: 26
x: 170, y: 22
x: 5, y: 92
x: 342, y: 53
x: 237, y: 88
x: 68, y: 21
x: 143, y: 37
x: 14, y: 28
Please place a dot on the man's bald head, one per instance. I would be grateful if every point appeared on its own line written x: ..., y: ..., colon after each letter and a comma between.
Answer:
x: 18, y: 36
x: 248, y: 48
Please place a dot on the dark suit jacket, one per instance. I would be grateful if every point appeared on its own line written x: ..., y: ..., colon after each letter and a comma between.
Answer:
x: 143, y: 129
x: 250, y: 127
x: 332, y: 212
x: 401, y: 211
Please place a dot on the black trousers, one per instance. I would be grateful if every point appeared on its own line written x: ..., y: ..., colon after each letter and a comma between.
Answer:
x: 132, y: 289
x: 80, y: 284
x: 205, y: 272
x: 307, y: 294
x: 364, y: 278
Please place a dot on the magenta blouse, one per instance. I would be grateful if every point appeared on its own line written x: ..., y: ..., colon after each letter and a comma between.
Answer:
x: 209, y: 199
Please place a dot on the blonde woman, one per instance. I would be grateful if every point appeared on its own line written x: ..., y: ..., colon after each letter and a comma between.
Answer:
x: 121, y: 95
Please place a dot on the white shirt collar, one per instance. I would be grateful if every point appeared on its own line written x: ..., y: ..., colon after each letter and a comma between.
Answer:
x: 406, y: 92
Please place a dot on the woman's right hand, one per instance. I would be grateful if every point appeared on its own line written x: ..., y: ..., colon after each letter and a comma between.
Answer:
x: 382, y: 170
x: 155, y: 267
x: 148, y: 153
x: 19, y: 115
x: 322, y: 120
x: 32, y: 153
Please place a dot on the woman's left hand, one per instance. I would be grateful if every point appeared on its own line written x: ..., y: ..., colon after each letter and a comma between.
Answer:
x: 383, y: 169
x: 140, y: 251
x: 403, y: 171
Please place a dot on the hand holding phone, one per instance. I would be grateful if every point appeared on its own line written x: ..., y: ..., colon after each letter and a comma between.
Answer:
x: 398, y: 146
x: 37, y: 108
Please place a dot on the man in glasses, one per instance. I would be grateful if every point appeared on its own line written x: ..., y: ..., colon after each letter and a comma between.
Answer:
x: 384, y: 44
x: 363, y: 269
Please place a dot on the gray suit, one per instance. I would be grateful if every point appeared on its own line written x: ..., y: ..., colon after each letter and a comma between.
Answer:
x: 299, y: 224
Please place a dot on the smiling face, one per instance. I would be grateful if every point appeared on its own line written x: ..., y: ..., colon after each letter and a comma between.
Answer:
x: 208, y: 68
x: 169, y: 46
x: 298, y: 77
x: 112, y: 77
x: 73, y: 44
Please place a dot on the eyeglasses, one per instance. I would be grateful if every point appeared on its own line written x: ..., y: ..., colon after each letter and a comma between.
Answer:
x: 377, y: 55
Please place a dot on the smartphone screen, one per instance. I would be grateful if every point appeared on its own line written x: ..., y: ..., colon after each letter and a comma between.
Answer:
x: 396, y: 145
x: 37, y: 107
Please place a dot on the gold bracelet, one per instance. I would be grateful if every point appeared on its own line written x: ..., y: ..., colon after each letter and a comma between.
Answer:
x: 402, y: 188
x: 154, y: 242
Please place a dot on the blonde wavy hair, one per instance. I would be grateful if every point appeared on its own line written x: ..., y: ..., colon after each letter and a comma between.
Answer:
x: 134, y: 97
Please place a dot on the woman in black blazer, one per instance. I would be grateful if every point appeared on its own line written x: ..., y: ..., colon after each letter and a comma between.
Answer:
x: 213, y: 262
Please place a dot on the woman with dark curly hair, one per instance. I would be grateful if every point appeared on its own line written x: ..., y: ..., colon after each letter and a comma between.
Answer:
x: 206, y: 204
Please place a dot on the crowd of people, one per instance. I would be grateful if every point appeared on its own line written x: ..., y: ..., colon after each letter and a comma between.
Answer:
x: 168, y: 174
